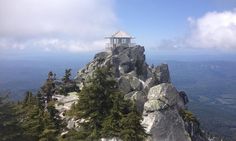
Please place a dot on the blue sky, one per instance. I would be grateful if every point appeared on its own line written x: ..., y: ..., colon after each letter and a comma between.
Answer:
x: 33, y: 27
x: 155, y: 20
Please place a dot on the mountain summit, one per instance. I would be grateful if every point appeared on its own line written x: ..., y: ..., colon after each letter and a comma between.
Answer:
x: 165, y: 116
x: 164, y: 110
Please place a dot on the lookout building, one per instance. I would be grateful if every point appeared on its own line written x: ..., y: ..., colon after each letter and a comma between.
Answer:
x: 120, y: 38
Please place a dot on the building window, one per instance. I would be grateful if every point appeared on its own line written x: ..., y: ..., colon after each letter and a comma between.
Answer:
x: 124, y: 41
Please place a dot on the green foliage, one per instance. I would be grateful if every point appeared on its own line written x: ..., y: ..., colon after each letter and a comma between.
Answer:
x: 9, y: 128
x: 34, y: 118
x: 48, y: 87
x: 132, y: 130
x: 30, y: 121
x: 38, y: 122
x: 29, y: 99
x: 50, y: 128
x: 124, y: 122
x: 68, y: 87
x: 68, y: 84
x: 94, y: 102
x: 67, y: 75
x: 112, y: 125
x: 37, y: 115
x: 51, y: 75
x: 74, y: 135
x: 100, y: 104
x: 188, y: 116
x: 105, y: 111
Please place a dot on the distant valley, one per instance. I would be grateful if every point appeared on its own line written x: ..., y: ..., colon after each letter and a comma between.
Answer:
x: 211, y: 87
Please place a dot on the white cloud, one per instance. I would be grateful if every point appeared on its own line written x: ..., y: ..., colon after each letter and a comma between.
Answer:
x: 70, y: 45
x: 73, y: 25
x: 213, y: 30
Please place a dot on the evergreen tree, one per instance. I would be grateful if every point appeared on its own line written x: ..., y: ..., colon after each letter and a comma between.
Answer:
x: 50, y: 129
x: 67, y: 75
x: 112, y: 124
x: 38, y: 122
x: 68, y: 84
x: 40, y: 100
x: 131, y: 129
x: 29, y: 99
x: 48, y: 88
x: 54, y: 116
x: 94, y: 102
x: 123, y: 121
x: 31, y: 122
x: 29, y: 117
x: 104, y: 110
x: 9, y: 128
x: 50, y: 75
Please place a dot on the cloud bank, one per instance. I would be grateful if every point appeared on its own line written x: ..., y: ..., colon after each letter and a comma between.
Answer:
x: 214, y: 30
x: 72, y: 25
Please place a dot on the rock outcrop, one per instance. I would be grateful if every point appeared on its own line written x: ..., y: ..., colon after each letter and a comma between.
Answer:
x: 161, y: 114
x: 150, y: 88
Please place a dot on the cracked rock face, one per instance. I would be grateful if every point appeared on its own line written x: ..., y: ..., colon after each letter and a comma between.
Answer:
x: 150, y: 88
x: 163, y: 96
x: 123, y: 60
x: 165, y: 93
x: 138, y: 97
x: 165, y: 125
x: 161, y: 117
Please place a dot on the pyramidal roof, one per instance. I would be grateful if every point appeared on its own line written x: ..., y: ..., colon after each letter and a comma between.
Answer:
x: 121, y: 34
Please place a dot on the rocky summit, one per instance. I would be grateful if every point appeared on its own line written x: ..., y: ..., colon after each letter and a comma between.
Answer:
x: 164, y: 110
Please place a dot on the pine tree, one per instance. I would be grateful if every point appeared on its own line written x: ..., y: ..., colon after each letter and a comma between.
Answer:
x: 29, y: 117
x: 48, y: 88
x: 9, y: 128
x: 38, y: 122
x: 67, y: 75
x: 111, y: 125
x: 29, y: 99
x: 50, y: 75
x: 94, y: 102
x: 54, y: 116
x: 31, y: 121
x: 131, y: 129
x: 68, y: 85
x: 105, y: 112
x: 50, y: 130
x: 123, y: 121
